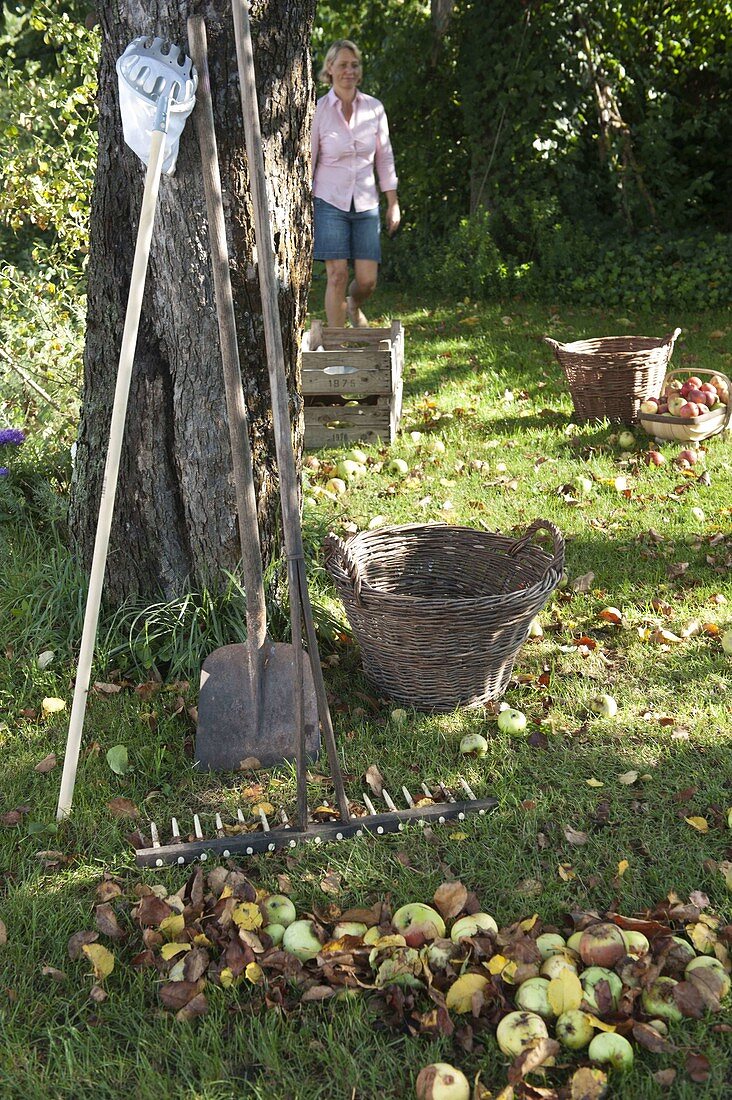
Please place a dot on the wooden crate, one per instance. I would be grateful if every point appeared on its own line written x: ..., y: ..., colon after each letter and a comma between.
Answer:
x: 352, y: 384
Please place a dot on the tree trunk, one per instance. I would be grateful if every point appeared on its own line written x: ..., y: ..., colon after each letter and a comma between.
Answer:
x: 175, y: 518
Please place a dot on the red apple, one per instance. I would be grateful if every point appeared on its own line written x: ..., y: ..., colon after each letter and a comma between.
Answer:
x: 601, y: 945
x: 662, y: 408
x: 689, y: 410
x: 684, y: 391
x: 691, y: 457
x: 654, y: 458
x: 650, y: 405
x: 694, y: 383
x: 699, y: 397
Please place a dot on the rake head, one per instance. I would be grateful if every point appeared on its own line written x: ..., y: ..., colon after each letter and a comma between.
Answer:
x: 245, y: 838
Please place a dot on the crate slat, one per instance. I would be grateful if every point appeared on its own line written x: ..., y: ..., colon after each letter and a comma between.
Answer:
x: 340, y: 362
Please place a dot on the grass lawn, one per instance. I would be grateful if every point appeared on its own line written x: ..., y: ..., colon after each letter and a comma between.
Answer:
x: 576, y: 800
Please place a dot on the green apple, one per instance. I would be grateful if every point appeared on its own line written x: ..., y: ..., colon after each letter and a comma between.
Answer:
x: 604, y: 705
x: 399, y: 466
x: 626, y: 441
x: 708, y: 962
x: 336, y: 485
x: 657, y: 999
x: 441, y: 1081
x: 347, y: 469
x: 473, y: 925
x: 636, y: 943
x: 555, y: 964
x: 550, y: 943
x: 533, y: 996
x: 474, y: 744
x: 574, y: 1029
x: 518, y: 1031
x: 611, y: 1049
x: 357, y: 455
x: 727, y: 642
x: 591, y: 977
x: 275, y: 933
x: 348, y: 928
x: 512, y: 722
x: 301, y: 940
x: 418, y: 923
x: 278, y: 909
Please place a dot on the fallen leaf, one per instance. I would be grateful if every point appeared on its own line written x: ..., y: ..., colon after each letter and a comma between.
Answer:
x: 375, y: 779
x: 170, y: 950
x: 583, y: 584
x: 575, y: 836
x: 698, y: 1067
x: 623, y: 866
x: 450, y: 899
x: 118, y: 759
x: 594, y: 782
x: 78, y: 941
x: 331, y: 884
x: 564, y: 992
x: 665, y: 1077
x: 3, y: 934
x: 198, y: 1006
x: 649, y: 1038
x: 628, y: 778
x: 106, y: 920
x: 52, y: 972
x: 122, y: 807
x: 172, y: 926
x: 254, y: 973
x: 588, y: 1084
x: 699, y: 823
x: 176, y: 994
x: 247, y: 915
x: 318, y: 993
x: 460, y: 994
x: 102, y: 960
x: 47, y: 764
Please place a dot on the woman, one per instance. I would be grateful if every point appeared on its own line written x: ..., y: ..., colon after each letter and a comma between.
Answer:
x: 351, y: 146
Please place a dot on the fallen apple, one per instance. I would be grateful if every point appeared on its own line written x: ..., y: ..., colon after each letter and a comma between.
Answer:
x: 602, y: 945
x: 678, y: 956
x: 357, y: 455
x: 708, y: 962
x: 301, y: 940
x: 574, y: 1029
x: 398, y: 466
x: 278, y: 909
x: 604, y: 706
x: 535, y: 628
x: 418, y: 922
x: 399, y: 716
x: 659, y: 1025
x: 518, y: 1031
x: 595, y: 998
x: 555, y: 964
x: 336, y: 485
x: 512, y: 722
x: 550, y: 943
x: 371, y: 935
x: 635, y: 942
x: 657, y: 999
x: 275, y: 933
x: 532, y: 996
x: 654, y: 458
x: 441, y: 1081
x: 348, y: 928
x: 611, y: 1049
x: 626, y: 440
x: 347, y: 468
x: 474, y: 744
x: 434, y: 445
x: 727, y: 642
x: 473, y: 925
x: 439, y: 953
x: 573, y: 942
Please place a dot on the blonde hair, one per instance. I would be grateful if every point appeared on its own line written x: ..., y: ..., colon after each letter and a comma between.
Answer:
x: 325, y: 75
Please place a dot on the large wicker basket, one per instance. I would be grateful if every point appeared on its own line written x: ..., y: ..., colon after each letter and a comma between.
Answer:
x: 440, y: 611
x: 610, y: 376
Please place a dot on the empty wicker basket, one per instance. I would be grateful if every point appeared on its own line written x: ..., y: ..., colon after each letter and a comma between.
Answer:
x: 440, y: 611
x: 610, y: 376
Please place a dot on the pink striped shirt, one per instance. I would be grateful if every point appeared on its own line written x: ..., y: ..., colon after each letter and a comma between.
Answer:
x: 345, y: 154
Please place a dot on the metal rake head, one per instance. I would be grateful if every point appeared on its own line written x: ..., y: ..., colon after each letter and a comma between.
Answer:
x: 152, y: 67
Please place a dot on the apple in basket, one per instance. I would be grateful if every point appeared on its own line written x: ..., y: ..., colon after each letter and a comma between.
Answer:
x: 675, y: 403
x: 650, y: 406
x: 689, y: 410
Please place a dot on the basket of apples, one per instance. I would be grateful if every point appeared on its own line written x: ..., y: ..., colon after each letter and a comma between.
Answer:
x: 689, y: 409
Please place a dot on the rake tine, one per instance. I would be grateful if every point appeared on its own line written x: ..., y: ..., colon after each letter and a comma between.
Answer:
x: 428, y: 792
x: 263, y: 819
x: 408, y: 797
x: 447, y: 794
x: 174, y: 828
x: 219, y: 825
x: 240, y: 817
x: 369, y: 805
x: 154, y: 836
x: 388, y: 799
x: 197, y: 827
x: 468, y: 789
x: 285, y: 819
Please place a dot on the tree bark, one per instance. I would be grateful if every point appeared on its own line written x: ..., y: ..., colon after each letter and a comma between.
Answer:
x: 175, y: 518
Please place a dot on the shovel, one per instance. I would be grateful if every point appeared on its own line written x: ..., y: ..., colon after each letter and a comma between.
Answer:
x: 248, y: 698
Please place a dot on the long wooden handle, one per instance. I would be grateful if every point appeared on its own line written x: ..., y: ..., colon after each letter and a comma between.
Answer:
x: 111, y: 472
x: 241, y: 454
x: 283, y: 436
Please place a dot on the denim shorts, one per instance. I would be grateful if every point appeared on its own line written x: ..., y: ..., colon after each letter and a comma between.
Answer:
x: 346, y: 234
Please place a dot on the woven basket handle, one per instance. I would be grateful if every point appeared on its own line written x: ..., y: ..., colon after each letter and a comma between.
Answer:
x: 673, y: 337
x: 557, y: 561
x: 553, y: 344
x: 339, y: 551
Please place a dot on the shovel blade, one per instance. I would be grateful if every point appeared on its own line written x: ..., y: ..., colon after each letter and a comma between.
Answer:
x: 228, y: 730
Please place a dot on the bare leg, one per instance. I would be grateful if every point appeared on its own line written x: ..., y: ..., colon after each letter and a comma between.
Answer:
x: 335, y: 292
x: 360, y: 290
